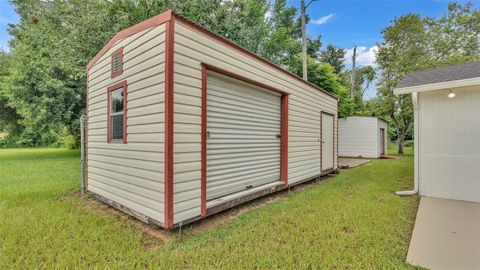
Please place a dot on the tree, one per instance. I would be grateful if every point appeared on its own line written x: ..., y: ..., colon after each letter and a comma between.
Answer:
x: 455, y: 37
x: 324, y: 76
x: 334, y: 56
x: 413, y: 43
x: 44, y: 87
x: 8, y: 116
x: 364, y: 76
x: 50, y: 48
x: 404, y: 49
x: 280, y: 46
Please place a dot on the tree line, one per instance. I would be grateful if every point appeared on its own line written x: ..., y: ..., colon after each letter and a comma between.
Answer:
x: 43, y: 77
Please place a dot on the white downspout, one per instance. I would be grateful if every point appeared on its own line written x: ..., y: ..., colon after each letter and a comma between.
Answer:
x: 416, y: 149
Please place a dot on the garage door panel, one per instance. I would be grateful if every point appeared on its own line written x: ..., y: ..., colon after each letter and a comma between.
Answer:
x: 226, y: 189
x: 245, y: 91
x: 241, y: 165
x: 247, y: 113
x: 224, y: 99
x: 235, y: 116
x: 245, y: 125
x: 243, y: 143
x: 228, y: 159
x: 247, y: 106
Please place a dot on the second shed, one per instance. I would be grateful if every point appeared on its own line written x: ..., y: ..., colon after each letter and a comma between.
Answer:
x: 361, y: 136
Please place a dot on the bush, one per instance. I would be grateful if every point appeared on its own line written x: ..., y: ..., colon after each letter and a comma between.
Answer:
x: 70, y: 142
x: 408, y: 144
x: 6, y: 142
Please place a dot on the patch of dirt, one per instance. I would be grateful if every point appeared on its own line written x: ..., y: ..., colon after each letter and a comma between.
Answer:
x: 227, y: 215
x: 348, y: 230
x: 154, y: 236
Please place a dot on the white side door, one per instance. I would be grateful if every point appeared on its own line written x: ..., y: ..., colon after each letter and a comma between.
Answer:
x: 327, y: 141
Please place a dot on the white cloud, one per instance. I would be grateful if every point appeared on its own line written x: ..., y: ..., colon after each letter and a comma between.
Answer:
x: 365, y: 56
x: 323, y: 20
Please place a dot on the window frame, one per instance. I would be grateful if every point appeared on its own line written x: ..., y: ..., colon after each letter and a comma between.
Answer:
x: 121, y: 85
x: 118, y: 52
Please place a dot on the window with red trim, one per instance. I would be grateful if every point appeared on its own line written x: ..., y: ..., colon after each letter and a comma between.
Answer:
x: 117, y: 63
x: 117, y: 113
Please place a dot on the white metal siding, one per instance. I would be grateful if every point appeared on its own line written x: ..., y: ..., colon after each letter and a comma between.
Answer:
x: 449, y: 133
x: 305, y: 103
x: 130, y: 174
x: 358, y: 136
x: 243, y: 150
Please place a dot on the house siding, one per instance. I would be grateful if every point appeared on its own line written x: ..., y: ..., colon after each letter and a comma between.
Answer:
x: 130, y: 174
x: 192, y: 48
x: 449, y: 152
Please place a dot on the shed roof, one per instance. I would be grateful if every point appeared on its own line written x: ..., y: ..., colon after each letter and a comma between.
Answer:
x: 440, y: 78
x: 169, y: 15
x: 365, y: 116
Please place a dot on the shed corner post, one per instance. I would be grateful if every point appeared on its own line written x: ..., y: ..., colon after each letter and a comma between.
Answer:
x: 169, y: 134
x: 203, y: 181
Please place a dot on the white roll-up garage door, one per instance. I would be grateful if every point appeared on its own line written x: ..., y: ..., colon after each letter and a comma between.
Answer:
x: 243, y: 136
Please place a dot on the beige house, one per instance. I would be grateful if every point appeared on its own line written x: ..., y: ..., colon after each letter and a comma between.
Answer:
x: 447, y: 130
x: 182, y: 123
x: 447, y: 166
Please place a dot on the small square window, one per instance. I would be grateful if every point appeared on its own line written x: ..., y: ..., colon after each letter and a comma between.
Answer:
x: 117, y: 113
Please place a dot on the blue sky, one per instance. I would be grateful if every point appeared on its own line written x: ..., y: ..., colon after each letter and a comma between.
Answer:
x: 7, y: 15
x: 344, y: 23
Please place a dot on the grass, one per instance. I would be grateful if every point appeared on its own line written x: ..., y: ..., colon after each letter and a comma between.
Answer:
x: 352, y: 221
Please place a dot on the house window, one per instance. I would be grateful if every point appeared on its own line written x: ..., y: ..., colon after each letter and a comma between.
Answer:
x: 117, y: 113
x: 117, y: 63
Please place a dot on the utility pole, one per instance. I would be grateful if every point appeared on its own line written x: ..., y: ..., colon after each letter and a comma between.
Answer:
x: 354, y: 56
x: 304, y: 42
x: 303, y: 8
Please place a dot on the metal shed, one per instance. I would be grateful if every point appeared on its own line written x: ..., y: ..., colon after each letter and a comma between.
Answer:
x: 362, y: 136
x: 447, y: 128
x: 182, y: 123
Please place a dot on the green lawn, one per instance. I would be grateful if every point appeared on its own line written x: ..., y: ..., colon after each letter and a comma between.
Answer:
x: 352, y: 221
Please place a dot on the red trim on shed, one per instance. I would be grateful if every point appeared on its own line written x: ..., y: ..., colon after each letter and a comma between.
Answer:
x: 119, y: 72
x: 242, y: 78
x: 86, y: 130
x: 244, y: 51
x: 123, y: 85
x: 170, y: 16
x: 283, y: 131
x: 169, y: 95
x: 154, y: 21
